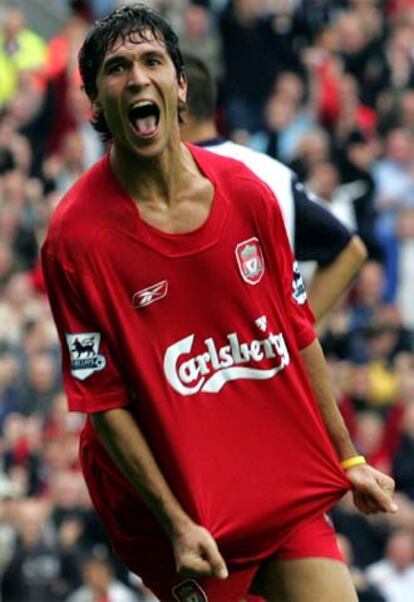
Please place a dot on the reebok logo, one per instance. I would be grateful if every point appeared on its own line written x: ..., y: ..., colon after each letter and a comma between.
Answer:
x: 150, y: 294
x: 261, y: 323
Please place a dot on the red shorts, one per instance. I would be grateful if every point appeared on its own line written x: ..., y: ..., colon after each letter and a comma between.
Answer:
x: 314, y: 538
x: 147, y: 552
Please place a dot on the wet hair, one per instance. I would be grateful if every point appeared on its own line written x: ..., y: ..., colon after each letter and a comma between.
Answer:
x: 132, y: 21
x: 201, y: 89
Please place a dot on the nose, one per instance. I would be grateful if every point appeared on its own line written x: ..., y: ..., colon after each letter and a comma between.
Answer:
x: 138, y: 78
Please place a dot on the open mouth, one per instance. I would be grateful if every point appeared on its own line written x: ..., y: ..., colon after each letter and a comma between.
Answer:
x: 144, y: 117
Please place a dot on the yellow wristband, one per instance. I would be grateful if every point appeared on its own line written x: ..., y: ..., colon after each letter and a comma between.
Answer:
x: 354, y: 461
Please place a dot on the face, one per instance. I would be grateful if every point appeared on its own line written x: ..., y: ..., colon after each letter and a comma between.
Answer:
x: 399, y: 147
x: 138, y: 92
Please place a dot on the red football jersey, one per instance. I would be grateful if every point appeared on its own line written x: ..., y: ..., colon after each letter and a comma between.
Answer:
x: 199, y: 335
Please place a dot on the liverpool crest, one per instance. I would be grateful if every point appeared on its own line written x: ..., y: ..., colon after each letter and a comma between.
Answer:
x: 250, y: 260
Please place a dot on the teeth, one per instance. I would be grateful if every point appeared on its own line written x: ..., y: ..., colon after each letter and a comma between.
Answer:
x: 142, y: 103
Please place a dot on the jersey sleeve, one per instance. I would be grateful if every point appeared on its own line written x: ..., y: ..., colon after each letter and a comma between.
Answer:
x: 301, y: 316
x: 319, y: 235
x: 91, y: 378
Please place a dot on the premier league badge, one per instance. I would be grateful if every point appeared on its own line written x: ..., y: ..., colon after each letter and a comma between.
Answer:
x: 299, y: 291
x: 84, y: 355
x: 250, y: 260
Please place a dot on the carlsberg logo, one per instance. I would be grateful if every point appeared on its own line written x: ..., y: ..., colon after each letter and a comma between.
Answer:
x: 211, y: 370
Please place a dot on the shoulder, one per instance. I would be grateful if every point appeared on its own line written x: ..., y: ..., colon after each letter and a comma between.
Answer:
x: 79, y: 213
x: 274, y: 173
x: 233, y: 167
x: 261, y: 164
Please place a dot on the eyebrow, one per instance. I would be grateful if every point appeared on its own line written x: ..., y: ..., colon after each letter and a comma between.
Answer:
x: 113, y: 59
x: 158, y: 53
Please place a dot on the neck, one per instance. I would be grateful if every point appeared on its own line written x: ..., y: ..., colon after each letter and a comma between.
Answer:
x: 145, y: 178
x: 197, y: 132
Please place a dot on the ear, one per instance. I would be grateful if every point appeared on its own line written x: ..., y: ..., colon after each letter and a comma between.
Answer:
x: 182, y: 88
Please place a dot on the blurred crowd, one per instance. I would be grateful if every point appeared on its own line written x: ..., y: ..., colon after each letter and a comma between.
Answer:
x: 328, y: 88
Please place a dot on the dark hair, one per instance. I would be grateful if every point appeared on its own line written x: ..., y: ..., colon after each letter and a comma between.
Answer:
x: 201, y: 89
x: 122, y: 24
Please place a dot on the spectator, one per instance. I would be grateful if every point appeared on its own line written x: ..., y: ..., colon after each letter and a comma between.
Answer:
x: 369, y: 439
x: 286, y: 120
x: 41, y: 385
x: 405, y: 258
x: 394, y: 576
x: 403, y: 463
x: 359, y: 32
x: 394, y: 182
x: 354, y: 156
x: 365, y: 591
x: 313, y: 148
x: 63, y: 76
x: 324, y: 182
x: 68, y: 164
x: 369, y: 294
x: 253, y: 44
x: 199, y: 36
x: 20, y: 50
x: 99, y: 583
x: 79, y: 110
x: 33, y: 571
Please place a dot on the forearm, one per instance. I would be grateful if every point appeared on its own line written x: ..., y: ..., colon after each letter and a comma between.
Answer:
x: 126, y: 444
x: 372, y: 490
x: 328, y: 283
x: 319, y: 377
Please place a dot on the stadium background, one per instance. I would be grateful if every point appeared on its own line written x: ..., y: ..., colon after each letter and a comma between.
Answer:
x: 328, y: 88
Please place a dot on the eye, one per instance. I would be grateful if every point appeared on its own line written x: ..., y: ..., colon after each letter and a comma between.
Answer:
x: 115, y: 68
x: 152, y: 61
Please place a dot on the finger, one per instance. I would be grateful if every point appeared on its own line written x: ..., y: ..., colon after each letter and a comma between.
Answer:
x: 366, y: 505
x: 195, y: 568
x: 387, y: 484
x: 216, y: 561
x: 384, y: 500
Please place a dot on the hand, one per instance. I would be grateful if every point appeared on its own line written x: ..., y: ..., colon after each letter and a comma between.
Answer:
x: 372, y: 490
x: 312, y: 58
x: 196, y: 553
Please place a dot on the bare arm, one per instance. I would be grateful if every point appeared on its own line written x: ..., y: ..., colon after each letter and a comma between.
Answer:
x: 372, y: 489
x: 195, y: 550
x: 320, y: 237
x: 319, y: 377
x: 329, y: 282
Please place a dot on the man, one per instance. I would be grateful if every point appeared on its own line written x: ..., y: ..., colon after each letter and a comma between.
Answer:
x: 187, y: 339
x: 100, y: 584
x: 315, y: 234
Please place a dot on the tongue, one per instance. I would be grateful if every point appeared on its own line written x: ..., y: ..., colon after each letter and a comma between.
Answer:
x: 146, y: 125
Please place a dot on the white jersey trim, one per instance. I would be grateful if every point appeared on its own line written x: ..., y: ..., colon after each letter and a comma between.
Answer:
x: 276, y: 175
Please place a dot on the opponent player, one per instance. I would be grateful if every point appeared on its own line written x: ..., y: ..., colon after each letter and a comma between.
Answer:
x: 187, y: 339
x: 315, y: 234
